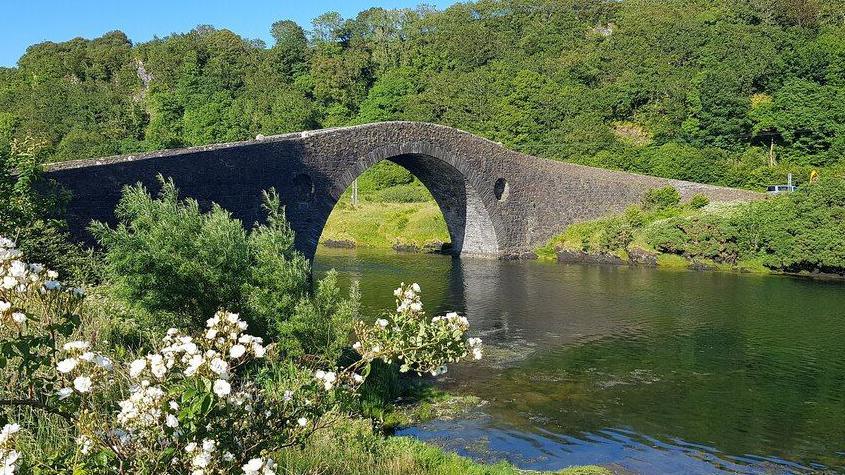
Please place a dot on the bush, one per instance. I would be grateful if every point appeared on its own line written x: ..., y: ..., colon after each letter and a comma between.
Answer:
x: 30, y: 213
x: 167, y: 257
x: 211, y: 401
x: 699, y: 201
x: 661, y: 198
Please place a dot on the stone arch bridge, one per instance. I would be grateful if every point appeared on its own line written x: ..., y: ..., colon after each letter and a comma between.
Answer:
x: 496, y: 202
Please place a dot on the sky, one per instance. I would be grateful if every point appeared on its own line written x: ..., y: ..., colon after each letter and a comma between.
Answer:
x: 26, y: 22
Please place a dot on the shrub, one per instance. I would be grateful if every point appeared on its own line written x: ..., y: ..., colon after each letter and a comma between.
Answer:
x: 30, y: 212
x: 209, y: 401
x: 699, y: 201
x: 616, y: 235
x: 168, y: 257
x: 661, y: 198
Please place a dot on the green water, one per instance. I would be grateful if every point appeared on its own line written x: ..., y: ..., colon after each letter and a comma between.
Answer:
x: 644, y: 370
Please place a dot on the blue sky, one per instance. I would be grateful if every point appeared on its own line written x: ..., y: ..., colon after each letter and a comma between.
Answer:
x: 25, y: 22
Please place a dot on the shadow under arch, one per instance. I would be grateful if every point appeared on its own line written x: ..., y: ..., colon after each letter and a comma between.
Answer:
x: 471, y: 225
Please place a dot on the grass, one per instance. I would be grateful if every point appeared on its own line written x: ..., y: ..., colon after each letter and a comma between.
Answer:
x: 596, y: 237
x: 353, y: 448
x: 381, y: 225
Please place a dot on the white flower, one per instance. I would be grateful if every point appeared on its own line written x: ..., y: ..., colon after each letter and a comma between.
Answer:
x: 191, y: 447
x: 174, y: 406
x: 9, y: 282
x: 82, y: 384
x: 288, y: 395
x: 398, y: 292
x: 85, y: 443
x: 357, y: 378
x: 64, y: 393
x: 253, y: 466
x: 211, y: 334
x: 103, y: 362
x: 439, y: 371
x: 171, y: 421
x: 356, y: 346
x: 76, y: 345
x: 222, y: 388
x: 137, y: 367
x: 219, y: 367
x: 8, y: 459
x: 476, y: 353
x: 302, y: 421
x: 66, y: 365
x: 258, y: 350
x: 201, y: 460
x: 19, y: 318
x: 208, y: 445
x: 5, y: 306
x: 8, y: 431
x: 415, y: 287
x: 52, y: 285
x: 381, y: 322
x: 416, y: 307
x: 228, y: 456
x: 237, y: 351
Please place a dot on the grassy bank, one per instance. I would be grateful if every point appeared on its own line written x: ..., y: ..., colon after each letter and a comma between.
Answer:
x: 355, y: 449
x: 382, y: 225
x: 797, y: 233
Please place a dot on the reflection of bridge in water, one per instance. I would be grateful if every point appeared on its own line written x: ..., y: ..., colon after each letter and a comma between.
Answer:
x: 495, y: 201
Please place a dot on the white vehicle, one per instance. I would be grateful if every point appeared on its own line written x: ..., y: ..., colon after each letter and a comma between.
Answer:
x: 788, y: 188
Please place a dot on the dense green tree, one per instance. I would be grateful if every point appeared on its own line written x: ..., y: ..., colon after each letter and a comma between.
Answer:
x: 693, y: 89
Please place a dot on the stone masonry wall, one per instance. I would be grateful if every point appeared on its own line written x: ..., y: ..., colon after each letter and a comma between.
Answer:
x: 495, y: 201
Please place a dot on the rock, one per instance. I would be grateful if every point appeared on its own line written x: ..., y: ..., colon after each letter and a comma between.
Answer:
x: 403, y: 247
x: 641, y: 257
x: 339, y: 243
x: 437, y: 247
x: 581, y: 257
x: 700, y: 266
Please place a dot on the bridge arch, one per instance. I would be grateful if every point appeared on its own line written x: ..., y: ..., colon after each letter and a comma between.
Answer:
x: 471, y: 217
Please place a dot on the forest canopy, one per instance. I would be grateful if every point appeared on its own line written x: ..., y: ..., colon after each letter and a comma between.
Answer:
x: 736, y: 93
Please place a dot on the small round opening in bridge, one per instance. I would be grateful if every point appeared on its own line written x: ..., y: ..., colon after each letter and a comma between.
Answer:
x: 501, y: 189
x: 304, y: 186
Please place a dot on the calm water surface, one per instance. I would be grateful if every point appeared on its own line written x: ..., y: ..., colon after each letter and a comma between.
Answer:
x: 641, y: 370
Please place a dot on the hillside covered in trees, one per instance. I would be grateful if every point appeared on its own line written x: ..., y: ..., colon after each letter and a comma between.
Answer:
x: 693, y: 89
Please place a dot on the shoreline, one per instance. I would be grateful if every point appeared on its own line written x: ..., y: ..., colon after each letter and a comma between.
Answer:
x: 632, y: 258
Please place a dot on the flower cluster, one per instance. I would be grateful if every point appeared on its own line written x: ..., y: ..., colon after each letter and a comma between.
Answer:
x: 81, y: 368
x: 420, y: 344
x: 259, y: 466
x: 8, y: 455
x: 18, y: 280
x: 223, y: 347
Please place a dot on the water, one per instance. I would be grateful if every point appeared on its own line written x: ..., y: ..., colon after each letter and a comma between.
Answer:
x: 641, y: 370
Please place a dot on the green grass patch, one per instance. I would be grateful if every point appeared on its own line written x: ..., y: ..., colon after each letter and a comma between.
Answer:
x: 381, y: 225
x: 353, y: 448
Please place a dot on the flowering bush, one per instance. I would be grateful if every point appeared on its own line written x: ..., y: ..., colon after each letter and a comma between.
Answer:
x: 36, y: 310
x: 214, y: 402
x: 420, y: 344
